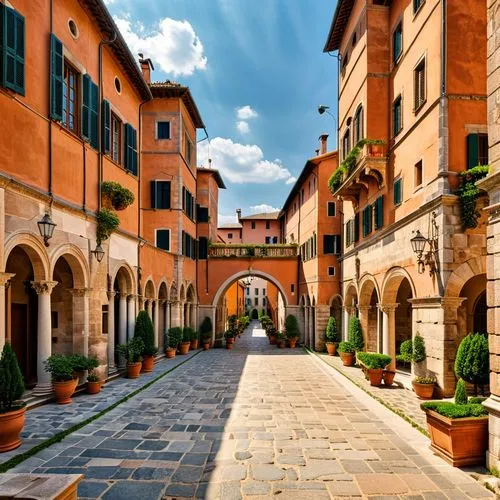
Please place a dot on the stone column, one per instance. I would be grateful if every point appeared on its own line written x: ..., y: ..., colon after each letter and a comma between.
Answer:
x: 131, y: 317
x: 156, y: 325
x: 4, y: 279
x: 81, y: 319
x: 363, y: 318
x: 176, y: 316
x: 348, y: 312
x: 111, y: 332
x: 389, y: 331
x: 149, y: 309
x: 122, y: 313
x: 44, y: 350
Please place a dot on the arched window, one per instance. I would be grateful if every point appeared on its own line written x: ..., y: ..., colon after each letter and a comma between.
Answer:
x: 346, y: 143
x: 359, y: 132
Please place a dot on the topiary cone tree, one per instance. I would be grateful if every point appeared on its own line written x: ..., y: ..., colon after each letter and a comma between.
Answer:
x: 206, y: 326
x: 292, y: 326
x: 11, y: 380
x: 331, y: 332
x: 145, y: 331
x: 356, y: 334
x: 472, y: 363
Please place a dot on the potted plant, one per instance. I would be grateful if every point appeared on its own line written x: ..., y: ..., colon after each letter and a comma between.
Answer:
x: 172, y: 338
x: 195, y: 338
x: 292, y: 330
x: 206, y: 329
x: 375, y: 364
x: 132, y: 352
x: 185, y: 341
x: 459, y: 430
x: 114, y: 195
x: 144, y: 330
x: 346, y: 351
x: 356, y: 334
x: 206, y: 340
x: 375, y: 147
x: 280, y: 340
x: 229, y: 336
x: 388, y: 377
x: 64, y: 382
x: 271, y: 333
x: 93, y: 383
x: 12, y: 409
x: 472, y: 363
x: 331, y: 336
x: 424, y: 387
x: 80, y: 365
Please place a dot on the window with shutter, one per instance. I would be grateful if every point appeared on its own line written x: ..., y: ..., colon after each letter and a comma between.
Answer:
x: 419, y: 85
x: 56, y: 78
x: 12, y: 46
x: 70, y: 108
x: 348, y: 240
x: 356, y: 228
x: 201, y: 213
x: 163, y: 239
x: 346, y: 143
x: 160, y: 194
x: 477, y: 150
x: 398, y: 191
x: 331, y: 209
x: 130, y: 149
x: 328, y: 244
x: 416, y: 5
x: 268, y: 240
x: 116, y: 139
x: 163, y: 130
x: 358, y: 125
x: 397, y: 42
x: 90, y: 99
x: 378, y: 208
x: 397, y: 123
x: 106, y: 127
x: 203, y: 248
x: 367, y: 220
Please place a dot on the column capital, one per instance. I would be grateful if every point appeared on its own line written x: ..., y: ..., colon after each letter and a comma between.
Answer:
x: 111, y: 294
x: 43, y: 287
x: 388, y: 308
x: 5, y: 278
x: 79, y: 292
x: 162, y: 302
x: 364, y: 308
x: 122, y: 295
x: 131, y: 296
x: 349, y: 309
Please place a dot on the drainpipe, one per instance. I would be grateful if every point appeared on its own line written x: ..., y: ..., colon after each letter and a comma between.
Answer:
x: 51, y: 25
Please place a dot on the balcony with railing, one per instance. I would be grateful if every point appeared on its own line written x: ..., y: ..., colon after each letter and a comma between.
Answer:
x: 366, y: 162
x: 222, y: 251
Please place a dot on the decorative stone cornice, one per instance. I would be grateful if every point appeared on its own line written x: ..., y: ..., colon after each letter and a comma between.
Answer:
x: 80, y: 292
x: 5, y: 278
x: 388, y: 308
x: 43, y: 287
x: 435, y: 302
x: 111, y: 294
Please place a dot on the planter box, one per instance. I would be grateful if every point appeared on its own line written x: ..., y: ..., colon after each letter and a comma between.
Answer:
x: 460, y: 441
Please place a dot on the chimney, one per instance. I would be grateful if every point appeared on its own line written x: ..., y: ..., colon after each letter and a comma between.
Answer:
x: 323, y: 141
x: 238, y: 213
x: 317, y: 152
x: 146, y: 67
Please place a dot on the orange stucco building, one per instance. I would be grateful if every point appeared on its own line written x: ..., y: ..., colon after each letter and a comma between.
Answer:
x: 408, y: 83
x: 259, y: 229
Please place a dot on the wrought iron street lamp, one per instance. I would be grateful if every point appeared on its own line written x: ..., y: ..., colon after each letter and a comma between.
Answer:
x: 419, y: 243
x: 46, y: 227
x: 98, y: 252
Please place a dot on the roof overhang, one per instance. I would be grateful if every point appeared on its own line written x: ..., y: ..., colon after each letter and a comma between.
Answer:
x: 216, y: 174
x: 339, y: 23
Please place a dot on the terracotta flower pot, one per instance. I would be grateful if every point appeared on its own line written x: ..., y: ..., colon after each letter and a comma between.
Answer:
x: 206, y: 346
x: 147, y: 364
x: 229, y: 345
x: 134, y: 369
x: 376, y: 149
x: 375, y: 376
x: 388, y: 377
x: 280, y: 344
x: 170, y: 353
x: 230, y: 340
x: 93, y: 387
x: 331, y: 348
x: 293, y: 342
x: 460, y: 441
x: 11, y: 425
x: 184, y: 347
x: 423, y: 391
x: 347, y: 358
x: 194, y: 344
x: 64, y: 390
x: 272, y: 339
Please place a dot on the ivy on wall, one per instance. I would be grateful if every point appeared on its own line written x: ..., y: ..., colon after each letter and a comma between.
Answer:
x: 468, y: 193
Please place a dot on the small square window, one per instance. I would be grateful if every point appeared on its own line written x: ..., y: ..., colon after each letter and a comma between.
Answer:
x: 163, y: 130
x: 268, y: 224
x: 331, y: 209
x: 292, y: 288
x: 418, y: 173
x: 331, y: 271
x: 253, y: 225
x: 230, y: 236
x: 163, y: 239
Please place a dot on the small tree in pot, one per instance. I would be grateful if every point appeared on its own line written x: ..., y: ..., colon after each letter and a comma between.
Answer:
x: 64, y: 382
x: 347, y: 351
x: 292, y: 330
x: 356, y: 334
x: 331, y: 336
x: 375, y: 364
x: 132, y: 352
x: 144, y: 330
x: 93, y: 384
x: 472, y: 363
x: 12, y: 409
x: 206, y: 332
x: 229, y: 336
x: 172, y: 338
x: 185, y: 344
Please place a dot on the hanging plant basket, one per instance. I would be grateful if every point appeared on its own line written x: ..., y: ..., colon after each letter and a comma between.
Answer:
x: 107, y: 222
x: 115, y: 196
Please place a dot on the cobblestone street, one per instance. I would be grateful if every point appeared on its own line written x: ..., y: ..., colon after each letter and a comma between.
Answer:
x: 256, y: 421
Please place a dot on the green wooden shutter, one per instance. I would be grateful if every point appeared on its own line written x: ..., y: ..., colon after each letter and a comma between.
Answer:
x: 12, y: 42
x: 203, y: 248
x: 166, y: 188
x: 94, y: 115
x: 153, y: 194
x: 163, y: 239
x: 86, y: 91
x: 348, y: 233
x: 106, y: 127
x: 472, y: 151
x: 356, y: 228
x: 130, y: 149
x: 367, y: 220
x: 56, y: 78
x: 398, y: 192
x: 379, y: 212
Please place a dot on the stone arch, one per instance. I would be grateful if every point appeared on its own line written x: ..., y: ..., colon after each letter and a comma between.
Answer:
x: 149, y: 289
x: 392, y: 281
x: 460, y: 276
x: 76, y: 261
x: 182, y: 293
x: 35, y: 250
x: 125, y: 276
x: 242, y: 274
x: 191, y: 294
x: 351, y: 295
x: 369, y: 298
x: 367, y: 285
x: 173, y: 292
x: 163, y: 290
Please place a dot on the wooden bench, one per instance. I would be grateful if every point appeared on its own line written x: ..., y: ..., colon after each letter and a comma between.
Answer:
x: 39, y: 486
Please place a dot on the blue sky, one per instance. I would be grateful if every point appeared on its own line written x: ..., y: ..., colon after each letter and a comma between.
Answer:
x: 257, y: 72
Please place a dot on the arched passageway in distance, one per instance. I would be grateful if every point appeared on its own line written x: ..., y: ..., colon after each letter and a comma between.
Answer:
x: 272, y: 300
x: 336, y: 311
x: 350, y: 308
x: 164, y: 314
x: 403, y: 319
x: 190, y: 307
x: 472, y: 312
x: 369, y: 314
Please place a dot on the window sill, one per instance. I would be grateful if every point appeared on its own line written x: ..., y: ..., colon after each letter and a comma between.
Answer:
x: 416, y: 12
x: 420, y: 106
x: 418, y: 188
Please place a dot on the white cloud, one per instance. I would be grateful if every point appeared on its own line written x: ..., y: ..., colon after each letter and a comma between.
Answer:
x: 172, y: 45
x: 291, y: 180
x: 264, y: 208
x: 241, y: 163
x: 227, y: 219
x: 243, y: 127
x: 246, y: 113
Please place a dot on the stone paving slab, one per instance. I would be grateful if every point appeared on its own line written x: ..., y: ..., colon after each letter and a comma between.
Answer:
x: 44, y: 422
x: 254, y: 422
